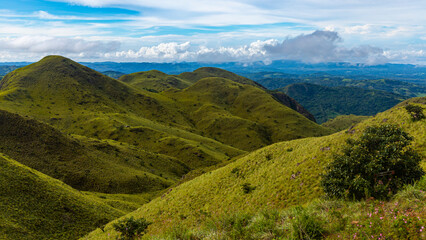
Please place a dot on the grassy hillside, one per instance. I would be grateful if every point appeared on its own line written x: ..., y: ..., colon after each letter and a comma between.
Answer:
x: 343, y: 122
x: 157, y: 81
x: 85, y: 164
x: 328, y: 102
x: 35, y: 206
x: 243, y: 116
x: 154, y: 81
x: 78, y: 100
x: 205, y: 72
x: 275, y: 177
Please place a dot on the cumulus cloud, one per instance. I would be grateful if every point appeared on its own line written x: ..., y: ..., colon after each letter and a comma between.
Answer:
x: 323, y: 46
x: 319, y: 46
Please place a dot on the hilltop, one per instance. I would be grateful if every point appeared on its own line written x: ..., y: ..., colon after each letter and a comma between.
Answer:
x: 280, y: 175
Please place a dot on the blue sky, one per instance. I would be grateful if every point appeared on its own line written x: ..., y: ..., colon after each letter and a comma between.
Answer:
x: 361, y: 31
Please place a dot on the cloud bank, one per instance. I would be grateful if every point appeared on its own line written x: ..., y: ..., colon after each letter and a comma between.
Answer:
x: 319, y: 46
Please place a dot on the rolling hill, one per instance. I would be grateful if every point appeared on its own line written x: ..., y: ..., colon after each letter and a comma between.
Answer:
x: 233, y: 113
x: 278, y: 176
x: 154, y: 138
x: 157, y: 81
x: 85, y: 164
x: 328, y: 102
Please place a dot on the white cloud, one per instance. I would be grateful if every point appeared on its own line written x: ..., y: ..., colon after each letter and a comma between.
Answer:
x: 49, y: 45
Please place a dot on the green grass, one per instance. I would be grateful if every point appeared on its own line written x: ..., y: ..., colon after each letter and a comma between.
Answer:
x: 343, y: 122
x: 36, y: 206
x: 243, y: 116
x: 282, y: 175
x: 403, y: 217
x: 206, y: 72
x: 83, y: 163
x: 154, y: 81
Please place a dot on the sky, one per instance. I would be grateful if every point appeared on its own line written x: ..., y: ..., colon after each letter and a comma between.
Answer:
x: 313, y: 31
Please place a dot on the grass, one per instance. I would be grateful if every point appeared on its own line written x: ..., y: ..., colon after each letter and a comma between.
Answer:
x: 85, y: 164
x: 243, y: 116
x: 154, y: 81
x: 36, y: 206
x: 343, y: 122
x: 403, y: 217
x: 157, y: 136
x: 284, y: 174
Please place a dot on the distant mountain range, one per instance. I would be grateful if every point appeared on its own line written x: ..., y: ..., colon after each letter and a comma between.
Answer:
x: 403, y: 72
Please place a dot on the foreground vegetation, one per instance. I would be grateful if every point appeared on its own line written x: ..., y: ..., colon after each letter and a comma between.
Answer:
x: 403, y: 217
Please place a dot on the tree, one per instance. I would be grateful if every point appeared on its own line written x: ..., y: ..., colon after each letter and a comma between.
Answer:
x: 131, y: 228
x: 415, y: 111
x: 376, y: 165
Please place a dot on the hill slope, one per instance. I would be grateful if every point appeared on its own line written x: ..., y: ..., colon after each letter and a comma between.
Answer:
x: 328, y: 102
x: 157, y: 81
x: 241, y: 115
x: 343, y: 122
x: 85, y: 164
x: 35, y: 206
x: 78, y: 100
x: 281, y: 175
x: 205, y: 72
x: 154, y: 81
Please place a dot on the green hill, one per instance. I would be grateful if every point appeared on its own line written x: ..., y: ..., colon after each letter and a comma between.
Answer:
x: 78, y: 100
x: 85, y: 164
x: 328, y: 102
x: 343, y: 122
x: 157, y: 81
x: 240, y: 115
x: 35, y: 206
x: 277, y: 176
x: 154, y: 81
x: 205, y: 72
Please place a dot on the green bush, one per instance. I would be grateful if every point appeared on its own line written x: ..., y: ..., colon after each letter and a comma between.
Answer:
x: 376, y: 165
x: 416, y: 112
x: 131, y: 228
x: 306, y: 226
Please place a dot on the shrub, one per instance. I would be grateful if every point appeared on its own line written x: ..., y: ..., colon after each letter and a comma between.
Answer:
x: 306, y: 226
x: 416, y: 112
x: 247, y: 188
x: 376, y: 165
x: 131, y: 228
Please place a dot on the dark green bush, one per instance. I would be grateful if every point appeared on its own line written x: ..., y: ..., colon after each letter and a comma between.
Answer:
x: 247, y: 188
x: 376, y: 165
x: 131, y: 228
x: 416, y: 112
x: 306, y: 226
